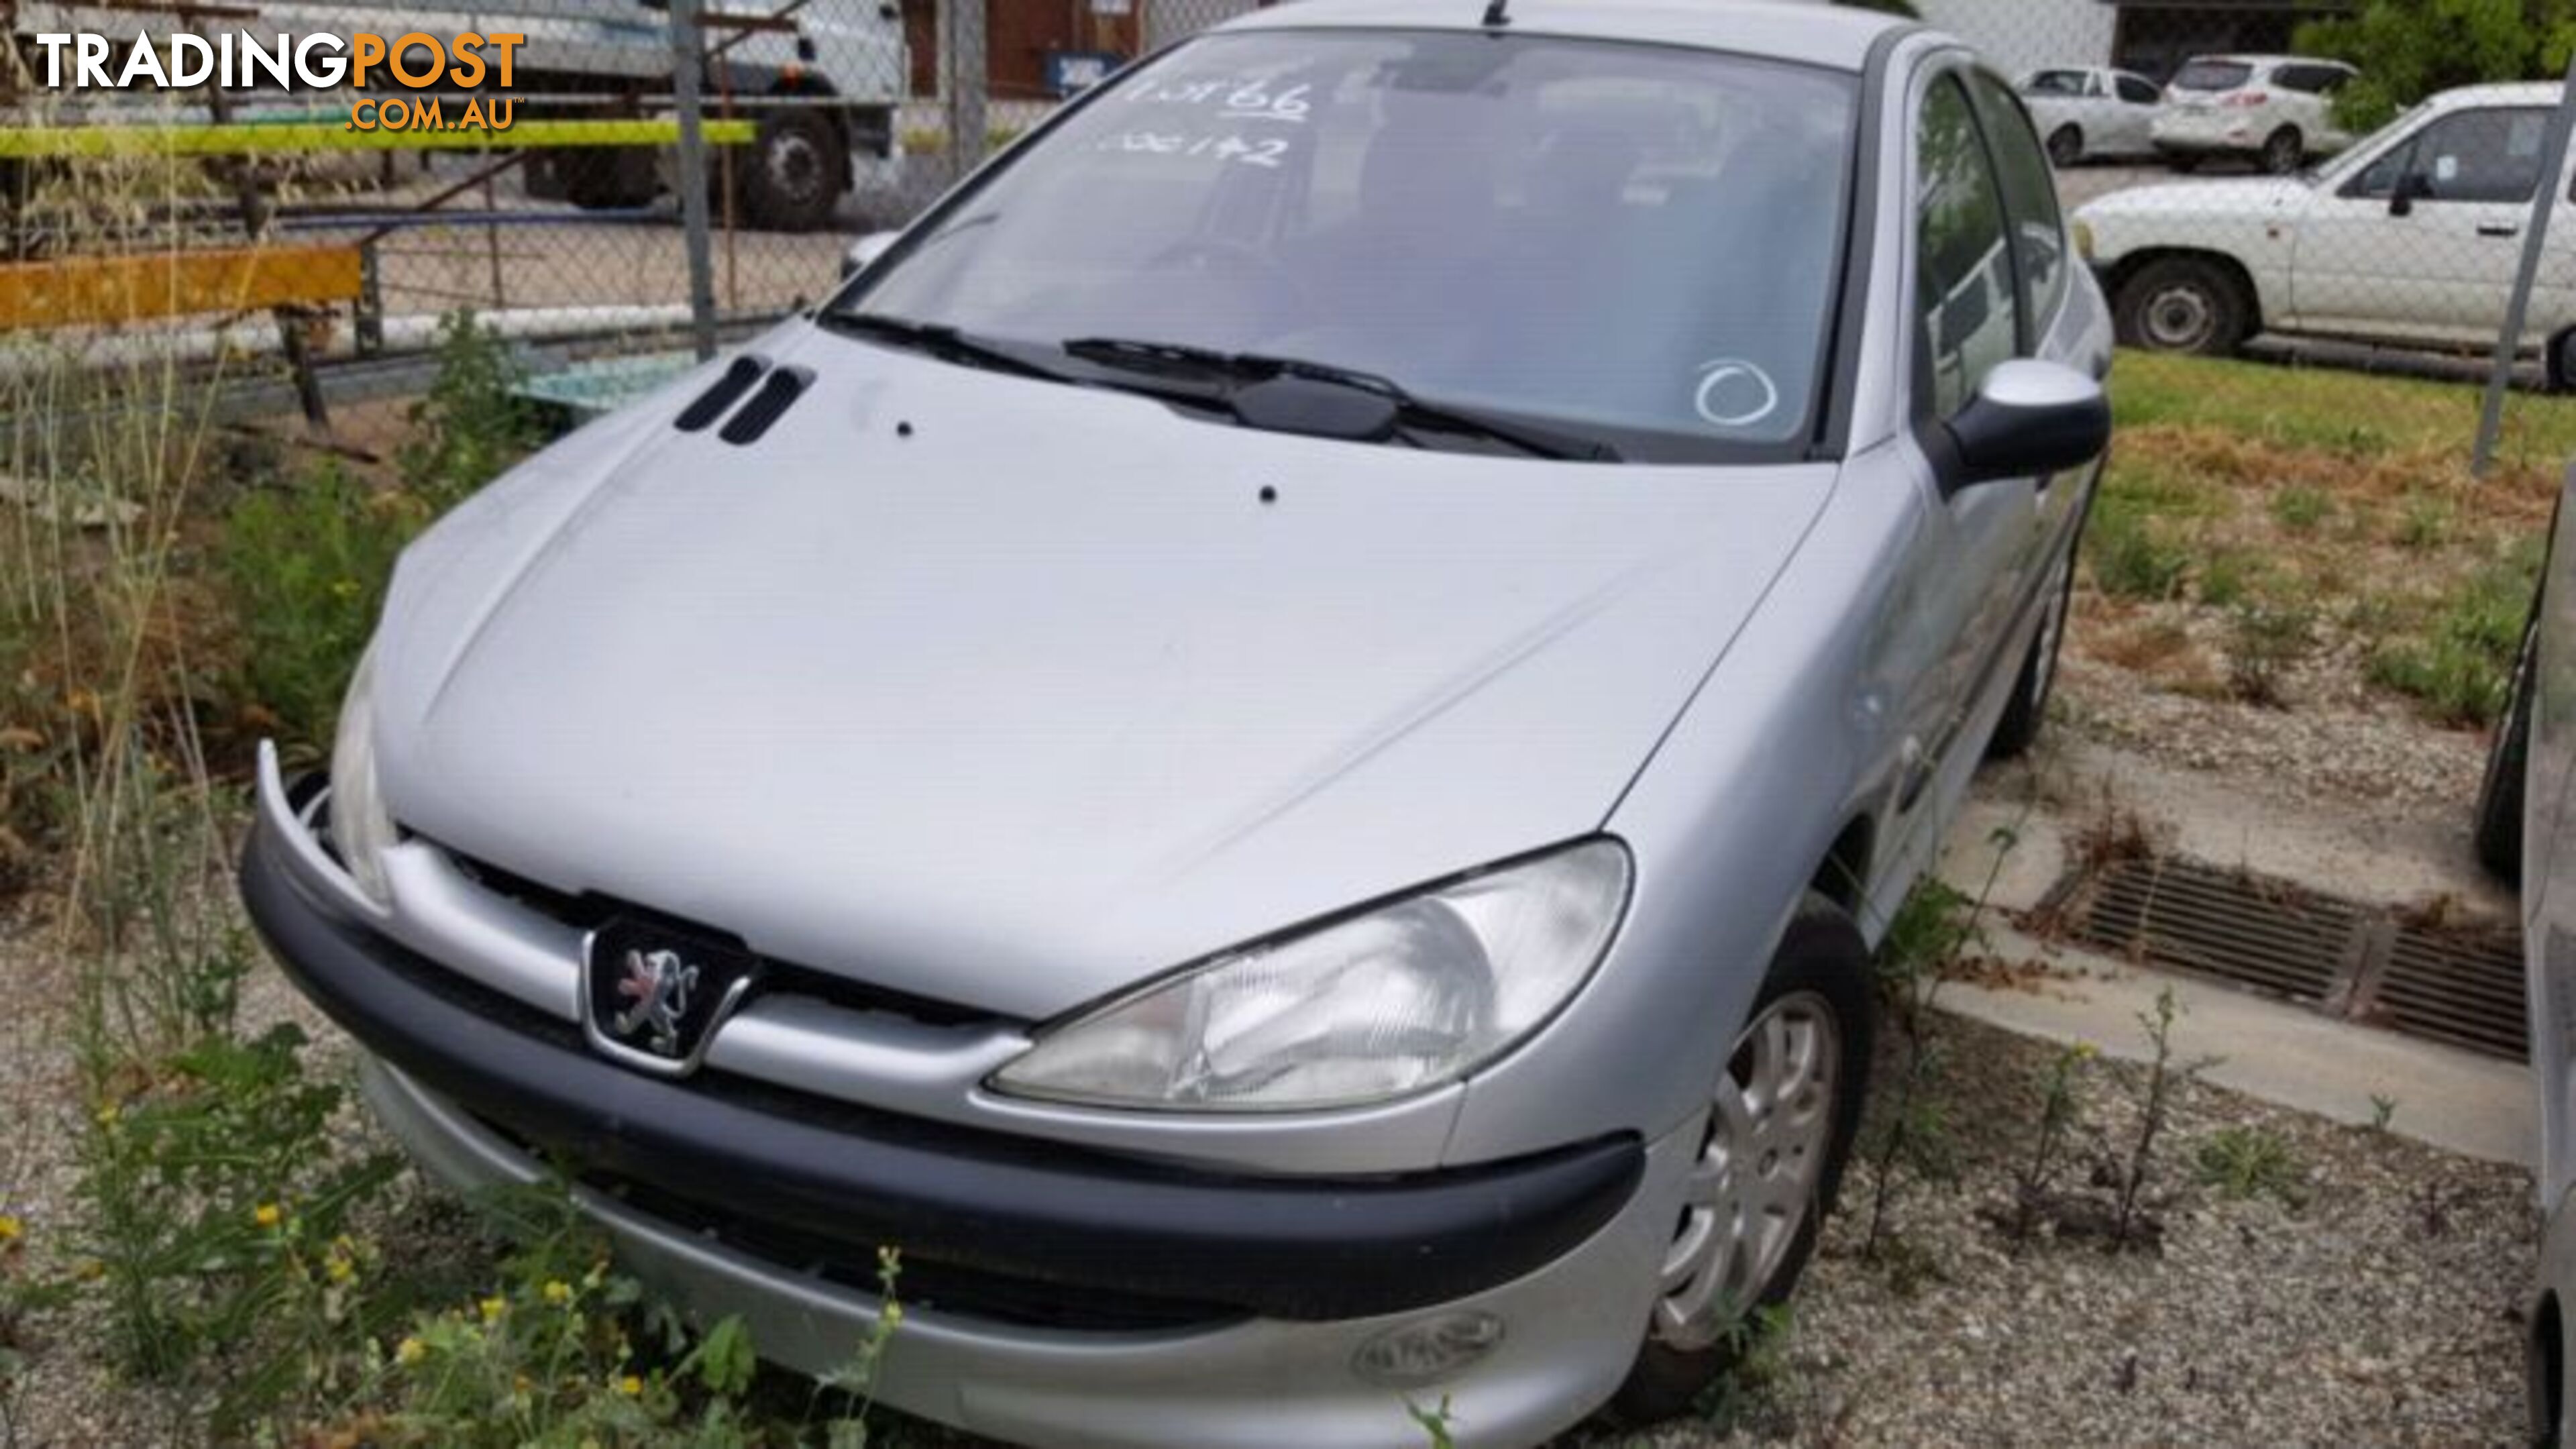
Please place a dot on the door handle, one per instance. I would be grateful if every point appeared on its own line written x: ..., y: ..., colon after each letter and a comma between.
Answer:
x: 2498, y: 228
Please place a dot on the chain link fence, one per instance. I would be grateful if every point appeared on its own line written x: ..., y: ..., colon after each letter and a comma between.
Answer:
x: 2316, y: 180
x: 2220, y: 158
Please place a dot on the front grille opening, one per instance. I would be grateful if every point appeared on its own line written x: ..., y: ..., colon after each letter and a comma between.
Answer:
x: 921, y: 1282
x: 2429, y: 977
x: 926, y: 1283
x: 589, y: 911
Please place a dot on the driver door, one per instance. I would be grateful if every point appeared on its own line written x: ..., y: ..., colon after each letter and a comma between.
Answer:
x: 2423, y: 242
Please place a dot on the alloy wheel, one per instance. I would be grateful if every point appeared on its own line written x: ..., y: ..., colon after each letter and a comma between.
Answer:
x: 1754, y: 1186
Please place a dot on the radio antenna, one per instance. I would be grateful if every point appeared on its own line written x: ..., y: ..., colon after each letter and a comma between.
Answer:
x: 1495, y: 18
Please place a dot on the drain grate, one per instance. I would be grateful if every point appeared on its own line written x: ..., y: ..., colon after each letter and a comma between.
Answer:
x: 2460, y: 985
x: 2266, y: 934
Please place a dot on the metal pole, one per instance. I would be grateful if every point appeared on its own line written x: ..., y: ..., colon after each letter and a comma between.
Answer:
x: 686, y: 57
x: 2544, y: 200
x: 969, y: 80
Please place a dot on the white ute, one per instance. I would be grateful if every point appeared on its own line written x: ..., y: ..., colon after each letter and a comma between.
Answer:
x: 2410, y: 238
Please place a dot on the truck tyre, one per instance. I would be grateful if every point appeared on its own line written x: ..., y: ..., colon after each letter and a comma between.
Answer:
x: 795, y: 172
x: 2184, y: 304
x: 605, y: 178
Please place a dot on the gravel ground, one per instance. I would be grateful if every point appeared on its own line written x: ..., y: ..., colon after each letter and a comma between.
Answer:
x: 2338, y: 747
x: 2380, y: 1310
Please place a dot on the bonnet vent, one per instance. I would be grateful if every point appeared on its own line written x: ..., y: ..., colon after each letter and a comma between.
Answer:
x: 774, y: 398
x: 723, y: 393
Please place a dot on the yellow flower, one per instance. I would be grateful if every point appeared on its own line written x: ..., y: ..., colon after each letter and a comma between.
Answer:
x: 266, y: 1215
x: 630, y: 1386
x: 493, y: 1308
x: 409, y: 1351
x: 558, y: 1291
x: 11, y: 1230
x: 108, y: 1114
x: 340, y: 1269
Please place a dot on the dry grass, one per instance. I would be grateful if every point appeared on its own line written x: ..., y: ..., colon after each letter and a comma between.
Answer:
x: 2337, y: 509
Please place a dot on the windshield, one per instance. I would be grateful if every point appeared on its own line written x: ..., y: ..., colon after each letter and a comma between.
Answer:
x: 2212, y: 75
x: 1636, y: 241
x: 2054, y: 83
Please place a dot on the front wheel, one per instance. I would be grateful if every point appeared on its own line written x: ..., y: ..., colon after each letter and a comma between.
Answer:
x: 2065, y: 147
x: 2184, y: 304
x: 1779, y: 1129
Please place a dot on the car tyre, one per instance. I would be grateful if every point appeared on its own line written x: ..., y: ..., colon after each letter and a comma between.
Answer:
x: 2498, y: 832
x: 2284, y: 151
x: 2184, y: 162
x: 2065, y: 147
x: 795, y: 172
x: 2028, y: 708
x: 1776, y: 1139
x: 2558, y: 363
x: 2184, y: 304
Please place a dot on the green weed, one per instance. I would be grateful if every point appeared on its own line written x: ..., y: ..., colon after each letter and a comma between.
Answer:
x: 2461, y: 664
x: 2300, y: 509
x: 2248, y: 1162
x: 305, y: 570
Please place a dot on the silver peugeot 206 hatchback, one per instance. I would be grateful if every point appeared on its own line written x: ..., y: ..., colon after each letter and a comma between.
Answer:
x: 1274, y: 746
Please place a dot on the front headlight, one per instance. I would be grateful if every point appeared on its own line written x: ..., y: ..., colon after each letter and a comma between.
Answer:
x: 1396, y: 1000
x: 361, y: 828
x: 2084, y: 239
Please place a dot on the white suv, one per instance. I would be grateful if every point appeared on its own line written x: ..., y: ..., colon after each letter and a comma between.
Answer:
x: 2277, y: 110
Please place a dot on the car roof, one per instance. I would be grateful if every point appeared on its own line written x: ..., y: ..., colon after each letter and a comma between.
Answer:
x: 2509, y: 93
x: 2242, y: 58
x: 1834, y: 36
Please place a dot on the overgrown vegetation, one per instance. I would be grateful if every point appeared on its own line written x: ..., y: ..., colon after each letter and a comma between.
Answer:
x: 236, y: 1236
x: 2278, y: 534
x: 2408, y: 49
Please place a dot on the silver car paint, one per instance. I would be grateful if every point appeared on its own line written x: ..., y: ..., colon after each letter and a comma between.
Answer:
x: 1732, y: 668
x: 1010, y: 716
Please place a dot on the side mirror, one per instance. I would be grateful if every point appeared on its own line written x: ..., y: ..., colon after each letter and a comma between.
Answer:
x: 2029, y: 419
x: 865, y: 250
x: 2412, y: 187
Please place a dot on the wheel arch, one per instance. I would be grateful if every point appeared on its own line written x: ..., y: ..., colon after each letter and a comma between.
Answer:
x: 2117, y: 275
x: 1842, y: 877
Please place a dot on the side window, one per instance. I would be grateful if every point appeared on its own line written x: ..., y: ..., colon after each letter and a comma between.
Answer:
x: 2486, y: 155
x: 2030, y: 200
x: 2492, y: 154
x: 2137, y: 92
x: 1966, y: 317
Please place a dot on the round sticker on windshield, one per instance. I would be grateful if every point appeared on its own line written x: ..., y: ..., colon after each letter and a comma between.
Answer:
x: 1734, y: 393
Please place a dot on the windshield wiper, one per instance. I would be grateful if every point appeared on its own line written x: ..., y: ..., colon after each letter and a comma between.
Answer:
x: 937, y: 339
x: 1409, y: 413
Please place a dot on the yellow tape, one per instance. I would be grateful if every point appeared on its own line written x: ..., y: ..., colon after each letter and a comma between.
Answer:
x: 243, y: 139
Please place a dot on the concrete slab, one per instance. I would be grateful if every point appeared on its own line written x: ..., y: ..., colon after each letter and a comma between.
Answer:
x: 2026, y: 824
